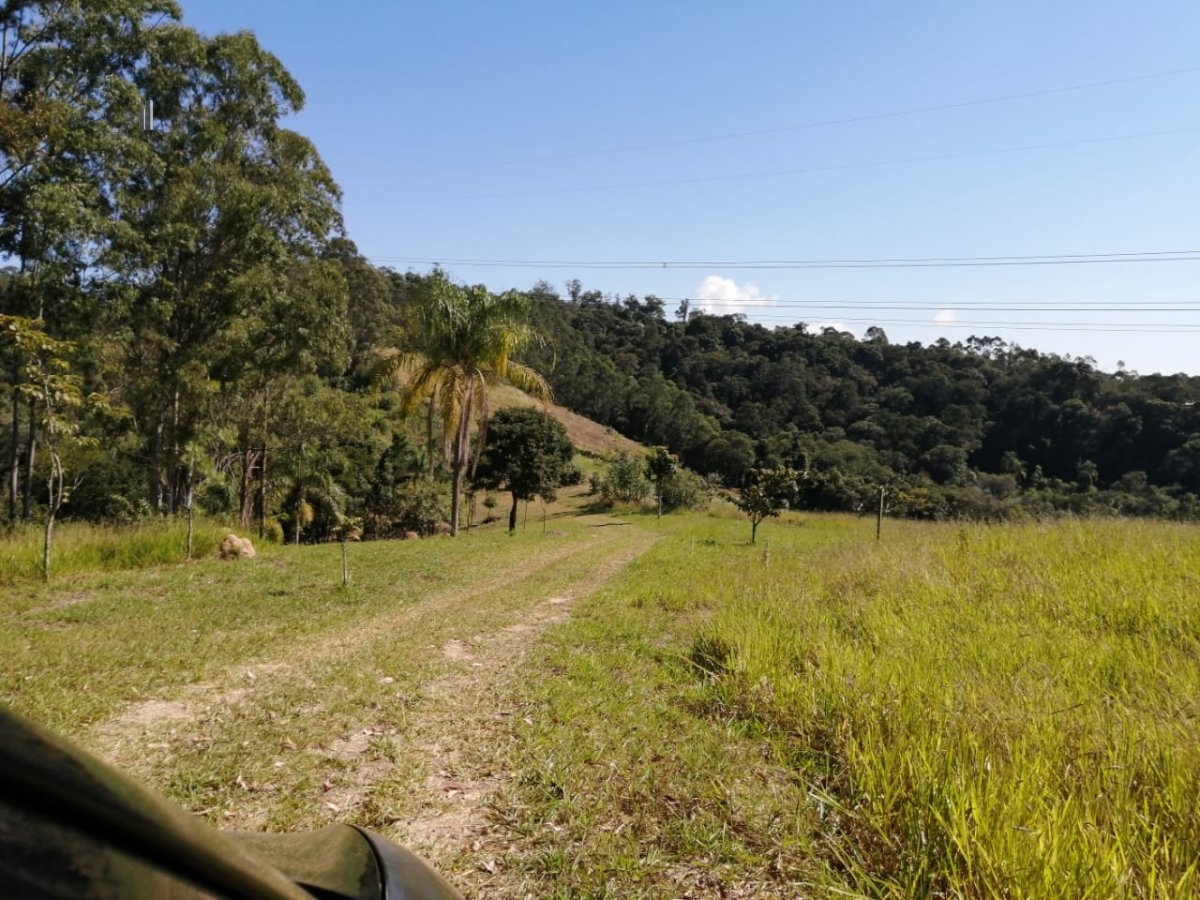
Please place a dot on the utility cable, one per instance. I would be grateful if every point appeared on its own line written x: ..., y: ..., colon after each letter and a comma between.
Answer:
x: 807, y: 126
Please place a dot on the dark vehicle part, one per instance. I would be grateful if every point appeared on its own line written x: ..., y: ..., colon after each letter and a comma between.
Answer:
x: 72, y: 827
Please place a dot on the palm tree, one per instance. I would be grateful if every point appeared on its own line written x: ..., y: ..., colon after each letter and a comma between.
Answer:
x: 457, y: 342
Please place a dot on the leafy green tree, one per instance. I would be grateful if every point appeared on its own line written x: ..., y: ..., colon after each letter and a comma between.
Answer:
x: 458, y: 341
x: 685, y: 490
x: 528, y: 454
x: 57, y: 396
x: 221, y: 253
x: 660, y: 468
x: 770, y: 492
x: 68, y: 109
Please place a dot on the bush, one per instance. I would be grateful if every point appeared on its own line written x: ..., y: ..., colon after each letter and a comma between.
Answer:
x: 422, y: 505
x: 624, y: 479
x: 685, y: 490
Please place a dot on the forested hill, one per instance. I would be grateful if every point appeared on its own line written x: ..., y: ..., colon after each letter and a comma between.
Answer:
x: 979, y: 428
x: 184, y: 322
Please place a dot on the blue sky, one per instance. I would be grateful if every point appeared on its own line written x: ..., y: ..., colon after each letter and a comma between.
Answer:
x: 699, y: 131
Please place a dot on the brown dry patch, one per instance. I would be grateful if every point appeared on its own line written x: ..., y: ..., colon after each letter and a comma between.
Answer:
x: 457, y: 650
x: 447, y: 757
x: 64, y: 602
x: 586, y: 435
x: 461, y: 733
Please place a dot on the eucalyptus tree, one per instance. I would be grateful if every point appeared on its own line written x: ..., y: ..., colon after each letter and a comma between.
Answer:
x: 222, y: 252
x: 69, y: 114
x: 456, y: 343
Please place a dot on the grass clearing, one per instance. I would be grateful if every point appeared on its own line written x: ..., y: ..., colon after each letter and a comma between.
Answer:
x: 956, y: 712
x: 81, y: 548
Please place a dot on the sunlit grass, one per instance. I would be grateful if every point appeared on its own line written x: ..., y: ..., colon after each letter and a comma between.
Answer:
x: 1009, y: 711
x: 986, y: 711
x: 79, y: 547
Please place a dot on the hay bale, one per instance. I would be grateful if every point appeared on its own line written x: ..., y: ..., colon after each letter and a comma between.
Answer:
x: 234, y: 547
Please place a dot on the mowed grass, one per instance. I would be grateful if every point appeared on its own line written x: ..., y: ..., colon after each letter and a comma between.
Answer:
x: 74, y: 651
x: 956, y: 712
x: 1008, y: 711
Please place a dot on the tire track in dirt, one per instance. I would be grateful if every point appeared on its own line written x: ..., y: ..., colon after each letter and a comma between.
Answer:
x: 448, y: 762
x: 127, y: 737
x: 462, y: 729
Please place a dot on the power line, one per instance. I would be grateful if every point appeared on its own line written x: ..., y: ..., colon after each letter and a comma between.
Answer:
x: 1113, y: 327
x: 1071, y: 306
x: 806, y: 126
x: 759, y: 264
x: 809, y: 170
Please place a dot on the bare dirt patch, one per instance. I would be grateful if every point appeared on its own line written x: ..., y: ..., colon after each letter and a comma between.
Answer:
x: 457, y: 650
x: 465, y: 726
x: 440, y: 768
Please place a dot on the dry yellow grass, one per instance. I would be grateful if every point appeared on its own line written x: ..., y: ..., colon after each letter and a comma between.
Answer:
x: 587, y: 436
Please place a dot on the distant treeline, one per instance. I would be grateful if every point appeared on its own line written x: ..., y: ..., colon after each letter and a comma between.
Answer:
x: 185, y: 323
x: 982, y: 428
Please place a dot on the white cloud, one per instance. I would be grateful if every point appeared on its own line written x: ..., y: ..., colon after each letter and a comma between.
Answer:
x: 946, y: 316
x: 723, y: 296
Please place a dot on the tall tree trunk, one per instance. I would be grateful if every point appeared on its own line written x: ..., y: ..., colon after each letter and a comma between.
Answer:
x: 512, y: 514
x: 299, y: 524
x: 173, y: 462
x: 30, y: 459
x: 429, y: 439
x: 191, y: 509
x: 54, y: 491
x: 14, y: 472
x: 154, y: 494
x: 246, y: 487
x: 262, y: 495
x: 462, y: 451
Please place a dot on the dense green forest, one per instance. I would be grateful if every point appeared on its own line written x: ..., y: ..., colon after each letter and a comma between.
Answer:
x: 981, y: 428
x: 185, y: 322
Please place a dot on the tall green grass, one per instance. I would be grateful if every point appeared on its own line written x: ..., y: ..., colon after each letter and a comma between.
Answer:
x: 82, y: 547
x: 983, y: 712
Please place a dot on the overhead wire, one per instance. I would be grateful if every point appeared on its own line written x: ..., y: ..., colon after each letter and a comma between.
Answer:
x: 864, y: 263
x: 806, y: 126
x: 808, y: 170
x: 1090, y: 327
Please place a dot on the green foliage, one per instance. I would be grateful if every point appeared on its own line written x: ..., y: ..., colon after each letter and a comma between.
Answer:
x: 685, y: 490
x: 769, y: 493
x: 455, y: 343
x: 623, y: 479
x: 726, y: 396
x: 421, y: 506
x: 527, y: 454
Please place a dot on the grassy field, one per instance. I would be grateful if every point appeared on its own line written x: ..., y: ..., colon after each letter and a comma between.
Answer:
x: 620, y: 708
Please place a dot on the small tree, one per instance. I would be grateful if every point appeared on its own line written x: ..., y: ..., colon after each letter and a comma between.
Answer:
x: 770, y: 492
x: 624, y: 479
x: 57, y: 395
x: 528, y: 454
x: 660, y: 467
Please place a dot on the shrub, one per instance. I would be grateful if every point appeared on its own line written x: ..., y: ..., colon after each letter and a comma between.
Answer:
x: 624, y: 479
x: 685, y: 490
